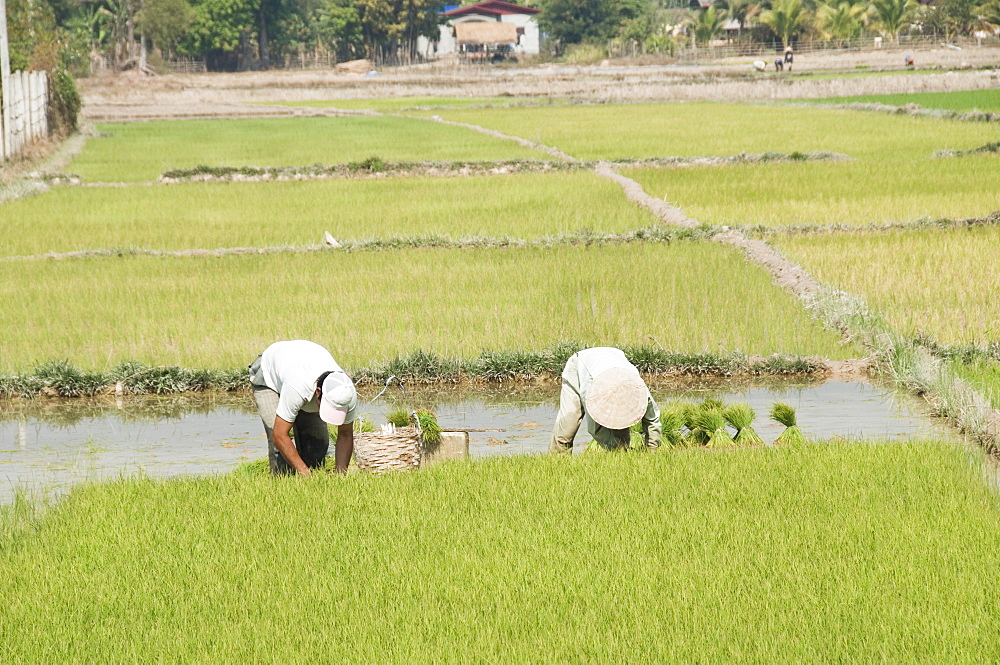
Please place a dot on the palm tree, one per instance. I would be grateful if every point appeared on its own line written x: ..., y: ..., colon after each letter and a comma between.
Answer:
x: 744, y: 11
x: 841, y: 21
x: 893, y: 15
x: 785, y: 18
x: 708, y: 24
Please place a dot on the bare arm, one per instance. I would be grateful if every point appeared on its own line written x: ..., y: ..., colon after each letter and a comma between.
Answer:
x: 344, y: 446
x: 284, y: 444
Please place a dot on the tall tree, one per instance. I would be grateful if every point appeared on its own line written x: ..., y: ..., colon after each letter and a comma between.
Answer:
x: 786, y: 18
x: 708, y: 24
x: 165, y: 22
x: 840, y: 21
x: 893, y: 15
x: 576, y: 21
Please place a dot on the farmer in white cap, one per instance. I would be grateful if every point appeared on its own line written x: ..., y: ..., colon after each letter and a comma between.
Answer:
x: 602, y: 388
x: 297, y: 384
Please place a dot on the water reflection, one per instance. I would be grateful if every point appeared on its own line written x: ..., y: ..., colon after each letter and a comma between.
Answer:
x: 54, y: 443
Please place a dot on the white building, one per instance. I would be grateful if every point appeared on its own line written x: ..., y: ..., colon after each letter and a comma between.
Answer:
x: 523, y: 39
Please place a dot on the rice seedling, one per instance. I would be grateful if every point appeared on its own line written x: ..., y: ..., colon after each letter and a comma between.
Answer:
x: 899, y: 188
x: 430, y: 429
x: 965, y: 100
x: 918, y: 280
x: 785, y: 414
x: 713, y: 427
x: 608, y: 131
x: 672, y: 421
x: 163, y: 314
x: 188, y: 570
x: 740, y: 417
x: 398, y: 417
x: 130, y: 152
x: 211, y: 215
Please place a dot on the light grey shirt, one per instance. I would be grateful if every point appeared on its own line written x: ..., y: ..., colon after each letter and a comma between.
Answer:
x: 580, y: 374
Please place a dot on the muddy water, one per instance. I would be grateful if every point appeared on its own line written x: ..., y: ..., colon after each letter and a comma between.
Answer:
x: 50, y: 445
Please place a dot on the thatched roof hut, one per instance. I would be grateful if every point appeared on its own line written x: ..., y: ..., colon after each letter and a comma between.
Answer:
x: 493, y: 33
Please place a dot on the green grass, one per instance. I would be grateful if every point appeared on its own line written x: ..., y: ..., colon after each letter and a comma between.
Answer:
x: 204, y: 215
x: 393, y: 104
x: 848, y: 553
x: 367, y: 307
x: 693, y: 129
x: 861, y: 192
x: 128, y: 152
x: 984, y: 375
x: 941, y: 283
x: 961, y: 101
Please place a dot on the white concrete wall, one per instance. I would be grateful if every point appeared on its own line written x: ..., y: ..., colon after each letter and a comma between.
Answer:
x: 26, y: 102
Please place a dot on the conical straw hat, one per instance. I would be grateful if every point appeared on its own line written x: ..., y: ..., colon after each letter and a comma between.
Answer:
x: 617, y: 398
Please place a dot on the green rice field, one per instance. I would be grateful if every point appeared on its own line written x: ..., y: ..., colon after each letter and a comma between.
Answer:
x: 210, y: 215
x: 935, y: 282
x: 697, y: 129
x: 855, y: 193
x: 854, y: 552
x: 987, y: 100
x: 371, y: 306
x: 130, y: 152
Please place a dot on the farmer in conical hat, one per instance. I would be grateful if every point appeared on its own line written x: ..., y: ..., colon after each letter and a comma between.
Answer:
x: 297, y: 384
x: 601, y: 388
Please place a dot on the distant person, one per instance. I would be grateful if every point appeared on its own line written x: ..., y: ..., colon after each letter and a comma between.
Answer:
x: 298, y: 385
x: 779, y: 65
x: 788, y: 57
x: 601, y: 388
x: 909, y: 61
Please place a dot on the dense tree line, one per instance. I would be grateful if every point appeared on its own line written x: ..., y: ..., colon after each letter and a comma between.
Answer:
x: 251, y: 34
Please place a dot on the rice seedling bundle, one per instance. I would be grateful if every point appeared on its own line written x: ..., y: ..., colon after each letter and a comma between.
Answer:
x: 785, y: 414
x: 711, y: 422
x: 741, y: 416
x: 672, y: 420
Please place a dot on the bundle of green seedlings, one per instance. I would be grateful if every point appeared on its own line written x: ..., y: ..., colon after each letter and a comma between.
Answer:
x: 430, y: 429
x: 785, y: 414
x: 705, y: 424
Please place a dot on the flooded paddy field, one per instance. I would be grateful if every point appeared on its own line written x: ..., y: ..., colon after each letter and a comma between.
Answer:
x: 52, y: 444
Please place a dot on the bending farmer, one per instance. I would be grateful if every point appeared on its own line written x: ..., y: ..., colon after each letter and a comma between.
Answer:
x: 298, y: 384
x: 600, y: 386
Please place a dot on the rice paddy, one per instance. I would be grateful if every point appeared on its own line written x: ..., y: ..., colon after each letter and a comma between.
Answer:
x: 931, y: 282
x: 697, y: 129
x: 371, y: 306
x: 130, y: 152
x: 967, y: 100
x: 395, y: 104
x: 847, y: 552
x: 894, y: 190
x: 211, y: 215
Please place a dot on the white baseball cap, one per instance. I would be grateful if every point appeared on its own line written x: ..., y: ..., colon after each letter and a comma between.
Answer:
x: 340, y: 399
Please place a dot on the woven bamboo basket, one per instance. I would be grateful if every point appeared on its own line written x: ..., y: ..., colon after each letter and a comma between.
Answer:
x: 390, y: 449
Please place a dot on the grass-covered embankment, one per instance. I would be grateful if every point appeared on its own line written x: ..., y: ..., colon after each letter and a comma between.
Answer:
x: 128, y: 152
x: 847, y: 553
x: 369, y: 307
x: 212, y: 215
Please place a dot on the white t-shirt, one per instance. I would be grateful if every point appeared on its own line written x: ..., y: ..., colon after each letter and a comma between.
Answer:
x: 291, y: 369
